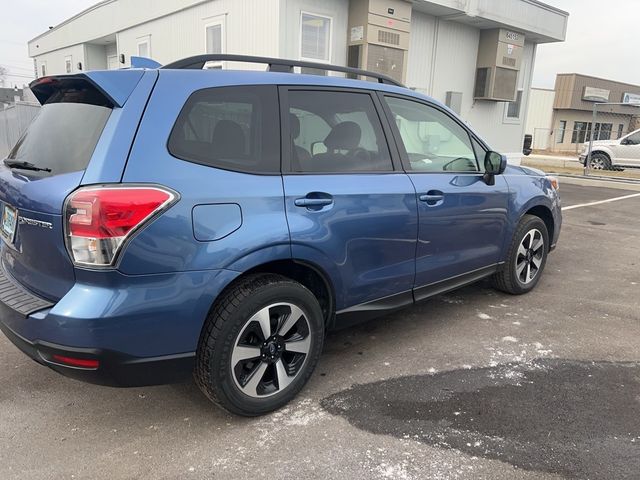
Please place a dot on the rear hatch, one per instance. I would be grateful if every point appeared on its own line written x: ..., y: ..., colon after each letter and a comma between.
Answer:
x: 42, y: 169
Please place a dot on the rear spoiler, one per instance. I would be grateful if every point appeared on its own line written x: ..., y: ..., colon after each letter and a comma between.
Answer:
x: 108, y: 87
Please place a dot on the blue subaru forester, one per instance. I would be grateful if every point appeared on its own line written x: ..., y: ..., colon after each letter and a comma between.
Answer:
x: 163, y: 222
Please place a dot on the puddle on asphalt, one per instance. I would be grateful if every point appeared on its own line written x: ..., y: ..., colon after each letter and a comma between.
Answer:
x: 576, y: 419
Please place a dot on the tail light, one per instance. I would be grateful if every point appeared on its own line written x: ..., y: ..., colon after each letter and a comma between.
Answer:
x: 100, y: 219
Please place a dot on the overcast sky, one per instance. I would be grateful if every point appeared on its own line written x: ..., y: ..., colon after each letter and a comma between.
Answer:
x: 602, y: 38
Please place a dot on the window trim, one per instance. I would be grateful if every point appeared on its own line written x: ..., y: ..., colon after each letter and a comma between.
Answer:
x: 404, y: 156
x: 275, y: 171
x: 514, y: 120
x: 145, y: 39
x: 212, y: 22
x: 329, y: 43
x: 562, y: 130
x: 285, y: 128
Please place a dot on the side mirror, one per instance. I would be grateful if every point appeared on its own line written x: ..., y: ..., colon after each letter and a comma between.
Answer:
x: 494, y: 164
x: 624, y: 141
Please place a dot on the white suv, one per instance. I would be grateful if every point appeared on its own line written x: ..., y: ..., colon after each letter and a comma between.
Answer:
x: 608, y: 154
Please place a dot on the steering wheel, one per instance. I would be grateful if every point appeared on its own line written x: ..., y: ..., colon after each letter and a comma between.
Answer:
x: 466, y: 165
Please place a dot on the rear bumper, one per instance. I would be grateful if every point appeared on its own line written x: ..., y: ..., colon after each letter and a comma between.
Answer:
x: 142, y: 330
x: 115, y: 370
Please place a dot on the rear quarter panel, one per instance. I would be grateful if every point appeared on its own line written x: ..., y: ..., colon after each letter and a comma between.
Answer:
x: 169, y: 244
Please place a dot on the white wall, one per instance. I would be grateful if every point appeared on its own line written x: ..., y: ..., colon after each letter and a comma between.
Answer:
x: 539, y: 116
x: 442, y: 57
x: 338, y: 10
x: 95, y: 57
x: 55, y: 61
x: 251, y: 28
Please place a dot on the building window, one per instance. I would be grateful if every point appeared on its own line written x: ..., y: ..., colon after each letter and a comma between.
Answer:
x: 561, y: 130
x: 580, y: 132
x: 513, y: 108
x: 144, y: 47
x: 43, y: 69
x: 620, y: 129
x: 315, y: 37
x: 603, y: 131
x: 68, y: 64
x: 214, y: 40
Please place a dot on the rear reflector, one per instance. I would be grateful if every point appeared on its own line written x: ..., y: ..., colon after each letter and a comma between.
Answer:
x: 100, y: 219
x: 75, y: 362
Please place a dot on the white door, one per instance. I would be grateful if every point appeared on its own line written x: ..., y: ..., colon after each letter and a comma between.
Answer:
x: 112, y: 62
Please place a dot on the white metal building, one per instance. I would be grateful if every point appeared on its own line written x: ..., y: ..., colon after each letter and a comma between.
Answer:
x: 471, y: 54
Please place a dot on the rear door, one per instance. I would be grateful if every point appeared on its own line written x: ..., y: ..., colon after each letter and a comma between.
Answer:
x: 350, y: 209
x: 462, y: 220
x: 49, y: 162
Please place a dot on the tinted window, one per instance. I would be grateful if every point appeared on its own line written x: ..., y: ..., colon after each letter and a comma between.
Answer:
x: 634, y: 139
x: 234, y: 128
x: 336, y: 132
x: 62, y: 137
x: 434, y: 141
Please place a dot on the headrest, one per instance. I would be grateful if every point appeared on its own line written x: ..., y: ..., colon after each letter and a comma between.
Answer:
x: 228, y: 139
x: 343, y: 136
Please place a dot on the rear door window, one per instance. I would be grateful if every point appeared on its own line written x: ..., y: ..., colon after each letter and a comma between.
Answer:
x: 234, y: 128
x: 335, y: 132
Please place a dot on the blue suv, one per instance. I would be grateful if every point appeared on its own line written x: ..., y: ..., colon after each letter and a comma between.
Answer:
x: 163, y: 222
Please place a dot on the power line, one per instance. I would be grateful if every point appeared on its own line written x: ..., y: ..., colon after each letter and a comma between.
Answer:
x: 16, y: 67
x: 19, y: 75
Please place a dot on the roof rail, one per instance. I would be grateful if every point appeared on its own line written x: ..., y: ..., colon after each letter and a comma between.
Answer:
x: 275, y: 65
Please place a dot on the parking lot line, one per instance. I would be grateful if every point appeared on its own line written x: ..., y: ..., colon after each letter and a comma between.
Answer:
x: 615, y: 199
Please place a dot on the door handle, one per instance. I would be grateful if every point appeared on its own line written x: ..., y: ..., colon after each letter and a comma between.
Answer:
x: 312, y: 202
x: 432, y: 198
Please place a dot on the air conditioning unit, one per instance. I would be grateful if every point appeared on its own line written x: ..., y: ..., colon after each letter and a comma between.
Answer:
x: 499, y: 61
x: 378, y: 36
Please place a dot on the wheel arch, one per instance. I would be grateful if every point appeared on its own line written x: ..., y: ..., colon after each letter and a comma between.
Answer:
x: 544, y: 213
x: 305, y: 273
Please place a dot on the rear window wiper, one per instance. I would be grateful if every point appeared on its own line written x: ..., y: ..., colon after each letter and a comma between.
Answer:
x: 25, y: 166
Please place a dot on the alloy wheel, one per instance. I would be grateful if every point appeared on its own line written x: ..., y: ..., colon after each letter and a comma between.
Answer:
x: 530, y: 256
x: 271, y: 350
x: 597, y: 163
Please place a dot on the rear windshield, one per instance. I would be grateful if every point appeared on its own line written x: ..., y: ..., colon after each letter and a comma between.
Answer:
x: 62, y: 137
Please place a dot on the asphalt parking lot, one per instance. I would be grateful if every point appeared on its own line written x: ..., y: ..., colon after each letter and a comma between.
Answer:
x: 472, y: 384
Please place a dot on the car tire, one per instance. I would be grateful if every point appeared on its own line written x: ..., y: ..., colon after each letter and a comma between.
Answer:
x: 259, y: 345
x: 526, y: 258
x: 600, y: 161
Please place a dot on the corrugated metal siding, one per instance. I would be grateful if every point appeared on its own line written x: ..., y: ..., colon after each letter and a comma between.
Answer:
x: 564, y: 89
x: 251, y: 28
x: 55, y: 60
x: 539, y: 117
x: 571, y: 89
x: 540, y: 110
x: 421, y: 43
x: 338, y: 10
